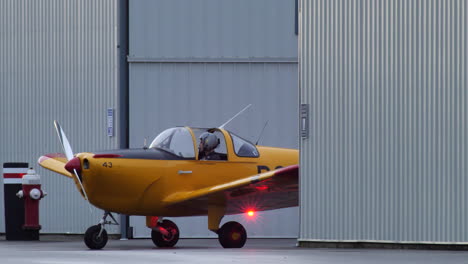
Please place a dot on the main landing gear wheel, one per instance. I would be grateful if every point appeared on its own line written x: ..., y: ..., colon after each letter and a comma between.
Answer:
x: 232, y: 235
x: 95, y: 237
x: 168, y: 236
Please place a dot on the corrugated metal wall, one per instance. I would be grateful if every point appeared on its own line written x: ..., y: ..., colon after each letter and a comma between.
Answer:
x: 58, y: 61
x: 387, y: 86
x: 200, y: 62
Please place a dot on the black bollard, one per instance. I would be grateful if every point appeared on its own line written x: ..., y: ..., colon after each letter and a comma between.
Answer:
x: 14, y: 207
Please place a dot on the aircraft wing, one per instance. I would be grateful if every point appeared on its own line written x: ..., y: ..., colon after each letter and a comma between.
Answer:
x: 266, y: 191
x: 55, y: 162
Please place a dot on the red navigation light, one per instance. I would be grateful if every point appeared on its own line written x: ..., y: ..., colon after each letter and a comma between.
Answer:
x: 262, y: 188
x: 251, y: 213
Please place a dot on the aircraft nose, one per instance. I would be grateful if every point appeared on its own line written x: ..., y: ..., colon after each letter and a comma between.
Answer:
x: 73, y: 164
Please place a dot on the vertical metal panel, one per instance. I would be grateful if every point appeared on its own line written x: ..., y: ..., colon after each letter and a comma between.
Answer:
x: 58, y: 62
x: 387, y: 86
x: 212, y: 28
x: 191, y: 64
x: 164, y: 95
x: 207, y: 95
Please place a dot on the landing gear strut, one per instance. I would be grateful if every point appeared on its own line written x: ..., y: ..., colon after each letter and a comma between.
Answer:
x: 231, y: 234
x: 96, y: 235
x: 165, y: 234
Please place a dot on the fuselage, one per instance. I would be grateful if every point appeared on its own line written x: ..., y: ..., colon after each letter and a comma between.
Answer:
x: 138, y: 182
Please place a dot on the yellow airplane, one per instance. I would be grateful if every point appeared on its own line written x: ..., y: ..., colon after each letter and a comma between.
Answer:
x: 184, y: 172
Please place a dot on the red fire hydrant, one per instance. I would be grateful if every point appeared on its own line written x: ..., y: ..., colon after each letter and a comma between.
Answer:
x: 31, y: 193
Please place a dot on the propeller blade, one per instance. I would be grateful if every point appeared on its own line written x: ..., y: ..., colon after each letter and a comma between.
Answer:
x: 69, y: 154
x: 63, y: 139
x: 82, y: 187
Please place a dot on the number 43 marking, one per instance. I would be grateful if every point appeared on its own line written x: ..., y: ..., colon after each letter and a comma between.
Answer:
x: 107, y: 164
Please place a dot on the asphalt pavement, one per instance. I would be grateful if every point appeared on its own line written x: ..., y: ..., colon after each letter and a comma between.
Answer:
x: 71, y: 249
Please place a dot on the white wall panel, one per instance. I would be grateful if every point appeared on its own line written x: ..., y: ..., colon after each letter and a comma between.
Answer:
x: 212, y: 29
x: 386, y: 82
x: 199, y: 62
x: 206, y: 95
x: 58, y: 61
x: 164, y: 95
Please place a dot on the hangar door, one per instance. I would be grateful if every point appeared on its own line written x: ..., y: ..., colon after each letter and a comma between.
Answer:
x: 197, y: 63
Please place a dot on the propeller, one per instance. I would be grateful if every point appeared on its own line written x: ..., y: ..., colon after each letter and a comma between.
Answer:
x: 73, y: 164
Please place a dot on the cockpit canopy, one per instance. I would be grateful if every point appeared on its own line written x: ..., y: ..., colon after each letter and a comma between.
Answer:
x: 177, y: 141
x: 184, y: 141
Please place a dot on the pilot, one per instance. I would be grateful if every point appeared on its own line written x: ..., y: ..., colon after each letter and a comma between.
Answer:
x: 208, y: 143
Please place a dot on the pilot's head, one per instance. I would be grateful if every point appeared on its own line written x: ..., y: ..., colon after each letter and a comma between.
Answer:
x: 208, y: 142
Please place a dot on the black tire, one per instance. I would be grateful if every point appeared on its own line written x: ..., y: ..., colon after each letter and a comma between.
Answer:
x: 92, y: 238
x: 232, y: 235
x: 166, y: 241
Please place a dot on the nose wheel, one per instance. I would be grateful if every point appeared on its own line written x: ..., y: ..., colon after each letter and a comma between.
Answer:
x: 165, y: 234
x: 232, y: 235
x: 96, y: 235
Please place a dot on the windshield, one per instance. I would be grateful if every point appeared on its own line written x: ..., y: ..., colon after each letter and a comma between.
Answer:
x: 243, y: 148
x: 177, y: 141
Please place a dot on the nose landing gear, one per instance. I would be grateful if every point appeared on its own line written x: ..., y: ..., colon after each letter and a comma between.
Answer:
x: 96, y: 235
